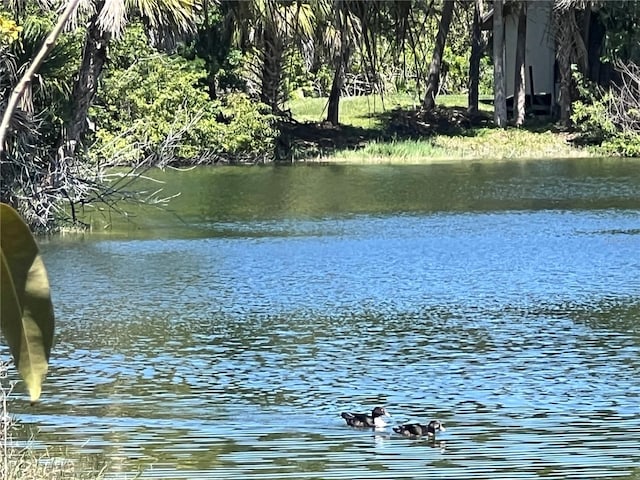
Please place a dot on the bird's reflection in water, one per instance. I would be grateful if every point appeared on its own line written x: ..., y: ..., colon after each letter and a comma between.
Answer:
x: 380, y: 439
x: 439, y: 444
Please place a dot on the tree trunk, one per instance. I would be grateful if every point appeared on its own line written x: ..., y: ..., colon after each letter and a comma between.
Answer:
x: 570, y: 49
x: 564, y: 69
x: 271, y: 69
x: 206, y: 49
x: 499, y: 87
x: 594, y: 49
x: 334, y: 94
x: 94, y: 56
x: 340, y: 70
x: 519, y: 92
x: 564, y: 54
x: 433, y: 82
x: 474, y: 59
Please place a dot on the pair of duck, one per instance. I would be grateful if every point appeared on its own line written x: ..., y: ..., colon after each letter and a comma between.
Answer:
x: 376, y: 420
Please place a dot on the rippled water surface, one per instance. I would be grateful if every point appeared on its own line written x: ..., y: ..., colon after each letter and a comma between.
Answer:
x: 223, y: 338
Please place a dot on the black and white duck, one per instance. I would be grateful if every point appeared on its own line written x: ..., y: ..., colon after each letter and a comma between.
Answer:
x: 420, y: 430
x: 364, y: 420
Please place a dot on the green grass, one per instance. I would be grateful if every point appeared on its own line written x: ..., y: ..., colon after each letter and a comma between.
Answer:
x: 23, y: 461
x: 367, y: 111
x: 486, y: 144
x: 476, y: 142
x: 363, y: 112
x: 30, y: 464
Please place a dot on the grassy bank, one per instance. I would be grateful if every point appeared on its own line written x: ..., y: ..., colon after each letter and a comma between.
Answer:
x: 392, y: 130
x: 479, y: 144
x: 21, y: 461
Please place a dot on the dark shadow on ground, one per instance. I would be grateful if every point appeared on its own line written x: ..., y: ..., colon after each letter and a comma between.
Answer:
x: 300, y: 141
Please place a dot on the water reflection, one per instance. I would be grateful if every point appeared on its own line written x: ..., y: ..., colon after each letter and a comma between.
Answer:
x: 227, y: 201
x: 230, y: 352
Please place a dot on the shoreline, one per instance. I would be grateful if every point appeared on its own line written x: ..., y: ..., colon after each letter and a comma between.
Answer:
x: 443, y: 160
x: 319, y: 144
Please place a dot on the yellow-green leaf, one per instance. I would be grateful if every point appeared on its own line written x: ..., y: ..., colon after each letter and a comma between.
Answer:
x: 26, y: 311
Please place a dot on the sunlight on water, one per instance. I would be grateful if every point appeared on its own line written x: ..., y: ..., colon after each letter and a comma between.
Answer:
x: 230, y: 352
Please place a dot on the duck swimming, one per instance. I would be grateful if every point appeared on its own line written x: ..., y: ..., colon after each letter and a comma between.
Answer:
x: 364, y: 420
x: 419, y: 430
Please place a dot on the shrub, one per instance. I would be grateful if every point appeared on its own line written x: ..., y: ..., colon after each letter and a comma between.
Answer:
x: 159, y: 96
x: 591, y: 118
x: 626, y: 144
x: 610, y: 118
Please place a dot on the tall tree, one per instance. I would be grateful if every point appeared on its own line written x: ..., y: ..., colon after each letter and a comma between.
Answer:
x: 270, y: 30
x: 341, y: 62
x: 433, y: 81
x: 165, y: 18
x: 474, y: 58
x: 519, y: 93
x: 357, y: 24
x: 499, y: 86
x: 94, y: 56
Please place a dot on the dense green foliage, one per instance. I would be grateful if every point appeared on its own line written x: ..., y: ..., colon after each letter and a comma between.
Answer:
x: 154, y: 96
x: 597, y: 126
x: 610, y: 118
x: 590, y: 111
x: 621, y: 22
x: 52, y: 88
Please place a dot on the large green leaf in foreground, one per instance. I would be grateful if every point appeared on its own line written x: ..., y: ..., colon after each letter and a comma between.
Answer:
x: 26, y: 311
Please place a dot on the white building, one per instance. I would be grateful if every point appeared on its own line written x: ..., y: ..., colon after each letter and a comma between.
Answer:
x: 539, y: 54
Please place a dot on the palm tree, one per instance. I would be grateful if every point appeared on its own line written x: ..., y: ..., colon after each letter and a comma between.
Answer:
x: 353, y: 24
x: 358, y: 24
x: 164, y: 18
x: 269, y: 29
x: 41, y: 61
x: 341, y: 62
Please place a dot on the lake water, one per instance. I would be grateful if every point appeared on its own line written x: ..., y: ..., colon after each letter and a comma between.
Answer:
x: 222, y: 337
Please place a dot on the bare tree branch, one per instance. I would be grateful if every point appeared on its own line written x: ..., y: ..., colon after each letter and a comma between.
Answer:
x: 624, y: 107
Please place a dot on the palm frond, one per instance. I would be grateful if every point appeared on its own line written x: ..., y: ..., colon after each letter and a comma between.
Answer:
x: 18, y: 6
x: 300, y: 18
x: 113, y: 17
x: 178, y: 15
x: 86, y: 9
x: 52, y: 82
x: 566, y: 5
